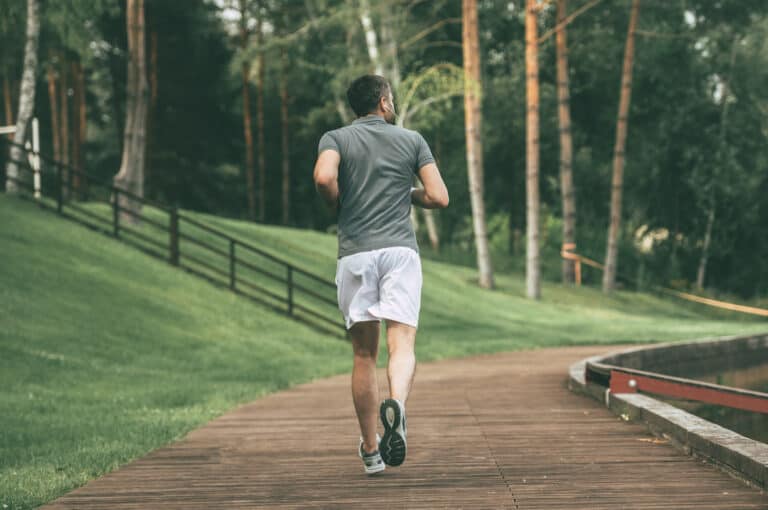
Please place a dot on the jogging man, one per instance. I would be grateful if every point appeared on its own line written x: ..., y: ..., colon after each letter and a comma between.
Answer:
x: 365, y: 171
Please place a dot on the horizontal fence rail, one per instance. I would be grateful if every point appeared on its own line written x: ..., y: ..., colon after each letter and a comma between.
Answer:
x: 185, y: 242
x: 631, y: 380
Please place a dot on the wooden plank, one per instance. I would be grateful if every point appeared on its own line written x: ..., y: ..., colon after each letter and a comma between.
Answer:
x: 498, y: 431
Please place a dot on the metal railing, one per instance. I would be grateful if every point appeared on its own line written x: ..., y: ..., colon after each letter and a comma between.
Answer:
x: 183, y: 241
x: 631, y: 380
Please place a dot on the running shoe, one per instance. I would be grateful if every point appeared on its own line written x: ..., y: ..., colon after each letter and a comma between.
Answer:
x: 371, y: 461
x: 392, y: 445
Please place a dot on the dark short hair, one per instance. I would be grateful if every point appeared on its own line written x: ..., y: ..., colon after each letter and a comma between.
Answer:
x: 364, y: 93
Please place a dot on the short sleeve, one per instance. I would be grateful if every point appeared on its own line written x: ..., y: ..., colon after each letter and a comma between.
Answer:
x: 424, y: 155
x: 327, y: 141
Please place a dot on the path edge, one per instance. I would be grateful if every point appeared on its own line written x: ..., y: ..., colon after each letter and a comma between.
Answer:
x: 741, y: 457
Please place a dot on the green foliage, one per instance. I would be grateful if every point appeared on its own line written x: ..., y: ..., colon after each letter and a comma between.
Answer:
x: 677, y: 165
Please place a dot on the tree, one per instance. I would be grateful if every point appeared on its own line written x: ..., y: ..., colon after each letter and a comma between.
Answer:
x: 441, y: 81
x: 26, y: 96
x: 612, y: 248
x: 250, y: 171
x: 532, y: 262
x: 131, y: 175
x: 260, y: 114
x: 566, y: 143
x: 371, y: 41
x: 473, y: 133
x: 284, y: 128
x: 53, y: 99
x: 720, y: 161
x: 64, y: 120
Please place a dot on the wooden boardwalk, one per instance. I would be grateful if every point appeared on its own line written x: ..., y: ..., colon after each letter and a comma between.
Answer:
x: 498, y: 431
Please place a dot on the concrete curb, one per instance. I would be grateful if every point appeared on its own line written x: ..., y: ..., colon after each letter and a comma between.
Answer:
x: 739, y: 456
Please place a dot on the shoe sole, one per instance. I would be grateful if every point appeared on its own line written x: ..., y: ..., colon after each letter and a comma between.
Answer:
x: 392, y: 447
x: 374, y: 470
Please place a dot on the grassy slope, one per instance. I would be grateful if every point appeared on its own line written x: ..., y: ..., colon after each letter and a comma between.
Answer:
x: 106, y: 354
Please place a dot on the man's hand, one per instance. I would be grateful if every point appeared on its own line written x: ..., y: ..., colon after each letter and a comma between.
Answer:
x: 326, y: 177
x: 434, y: 195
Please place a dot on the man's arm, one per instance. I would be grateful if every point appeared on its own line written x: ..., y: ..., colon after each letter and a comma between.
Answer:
x: 326, y: 177
x: 434, y: 195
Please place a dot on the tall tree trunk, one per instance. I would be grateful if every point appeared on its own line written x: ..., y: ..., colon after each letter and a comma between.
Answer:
x: 566, y: 144
x: 131, y: 174
x: 7, y: 102
x: 76, y: 143
x: 26, y: 95
x: 612, y: 249
x: 473, y: 132
x: 250, y: 169
x: 371, y: 41
x: 285, y: 146
x: 64, y: 123
x: 82, y: 124
x: 702, y: 271
x: 260, y: 121
x: 532, y: 263
x: 54, y: 102
x: 119, y: 107
x: 148, y: 177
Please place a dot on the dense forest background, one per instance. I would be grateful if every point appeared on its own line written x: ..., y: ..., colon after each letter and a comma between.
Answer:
x: 696, y: 153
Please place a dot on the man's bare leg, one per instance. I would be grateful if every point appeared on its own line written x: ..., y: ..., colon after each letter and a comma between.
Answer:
x: 401, y: 341
x: 365, y: 389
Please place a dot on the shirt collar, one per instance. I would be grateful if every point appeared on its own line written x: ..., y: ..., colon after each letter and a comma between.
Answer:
x: 369, y: 119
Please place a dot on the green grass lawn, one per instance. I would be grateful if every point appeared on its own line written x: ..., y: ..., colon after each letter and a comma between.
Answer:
x: 107, y: 354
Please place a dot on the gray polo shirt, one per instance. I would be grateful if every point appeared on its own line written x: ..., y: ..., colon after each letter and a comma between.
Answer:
x: 378, y: 162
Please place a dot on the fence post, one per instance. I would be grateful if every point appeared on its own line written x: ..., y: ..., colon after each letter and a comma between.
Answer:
x: 232, y: 264
x: 289, y: 282
x: 70, y: 184
x: 116, y: 213
x: 59, y: 184
x: 174, y: 239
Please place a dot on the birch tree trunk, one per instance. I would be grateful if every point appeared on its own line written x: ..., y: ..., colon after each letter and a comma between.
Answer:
x: 532, y: 263
x: 284, y: 139
x: 131, y: 174
x: 473, y: 132
x: 566, y: 144
x: 260, y: 120
x: 250, y: 170
x: 371, y: 41
x: 612, y: 249
x: 26, y: 95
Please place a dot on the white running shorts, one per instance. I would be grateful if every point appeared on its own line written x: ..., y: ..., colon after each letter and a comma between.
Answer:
x: 380, y: 284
